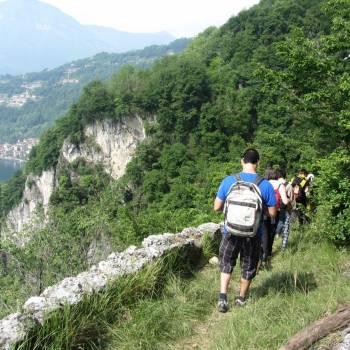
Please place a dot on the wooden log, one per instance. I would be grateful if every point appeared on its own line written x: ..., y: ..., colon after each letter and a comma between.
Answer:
x: 305, y: 338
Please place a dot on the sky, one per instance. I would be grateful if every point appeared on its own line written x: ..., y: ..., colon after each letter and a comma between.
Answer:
x: 181, y: 18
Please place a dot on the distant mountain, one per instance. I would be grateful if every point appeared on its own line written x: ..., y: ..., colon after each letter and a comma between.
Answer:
x: 123, y: 41
x: 35, y: 36
x: 29, y: 103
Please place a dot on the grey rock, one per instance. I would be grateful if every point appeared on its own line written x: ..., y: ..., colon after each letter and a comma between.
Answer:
x: 214, y: 261
x: 345, y: 344
x: 13, y: 329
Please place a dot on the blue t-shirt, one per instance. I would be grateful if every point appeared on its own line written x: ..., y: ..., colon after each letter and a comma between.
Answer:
x: 266, y: 189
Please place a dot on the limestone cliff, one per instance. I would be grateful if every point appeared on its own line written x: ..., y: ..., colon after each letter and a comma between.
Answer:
x: 107, y: 142
x: 34, y: 204
x: 112, y: 144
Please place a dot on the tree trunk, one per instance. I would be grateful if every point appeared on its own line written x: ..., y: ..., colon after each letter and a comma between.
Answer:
x: 305, y: 338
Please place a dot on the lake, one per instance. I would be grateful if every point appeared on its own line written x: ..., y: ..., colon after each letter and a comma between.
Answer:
x: 8, y: 168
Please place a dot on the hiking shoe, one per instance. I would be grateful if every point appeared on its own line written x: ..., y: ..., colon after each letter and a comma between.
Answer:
x: 240, y: 301
x: 222, y: 306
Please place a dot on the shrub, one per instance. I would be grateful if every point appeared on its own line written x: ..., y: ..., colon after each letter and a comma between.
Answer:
x: 333, y: 196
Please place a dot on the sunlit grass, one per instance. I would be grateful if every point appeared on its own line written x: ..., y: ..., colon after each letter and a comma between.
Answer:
x: 166, y: 306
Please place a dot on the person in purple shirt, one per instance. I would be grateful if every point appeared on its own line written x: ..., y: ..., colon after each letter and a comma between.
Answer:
x: 247, y: 248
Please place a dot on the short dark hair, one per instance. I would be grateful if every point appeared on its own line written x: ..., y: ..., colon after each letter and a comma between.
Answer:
x: 281, y: 173
x: 270, y: 174
x: 251, y: 155
x: 303, y: 172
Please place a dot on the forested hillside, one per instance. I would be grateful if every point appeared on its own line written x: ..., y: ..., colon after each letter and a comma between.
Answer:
x: 30, y: 103
x: 275, y: 77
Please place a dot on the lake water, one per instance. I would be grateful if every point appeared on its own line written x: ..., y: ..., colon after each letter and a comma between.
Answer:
x: 8, y: 168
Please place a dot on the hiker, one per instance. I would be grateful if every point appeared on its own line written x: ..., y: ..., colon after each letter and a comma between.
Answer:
x: 270, y: 224
x: 310, y: 205
x: 300, y: 184
x: 243, y: 198
x: 284, y: 210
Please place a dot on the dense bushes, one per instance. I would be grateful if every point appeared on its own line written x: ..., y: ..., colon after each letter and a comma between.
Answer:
x: 333, y: 195
x: 11, y: 192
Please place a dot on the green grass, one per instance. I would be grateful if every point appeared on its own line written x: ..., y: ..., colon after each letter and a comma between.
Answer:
x: 156, y: 324
x: 87, y: 324
x: 305, y: 283
x: 167, y: 307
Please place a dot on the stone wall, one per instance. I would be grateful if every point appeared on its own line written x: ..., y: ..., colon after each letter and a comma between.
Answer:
x: 71, y: 290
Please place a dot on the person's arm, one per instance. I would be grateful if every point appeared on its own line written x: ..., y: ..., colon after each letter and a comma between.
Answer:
x: 283, y: 193
x: 218, y: 204
x: 272, y: 211
x: 270, y: 200
x: 221, y: 196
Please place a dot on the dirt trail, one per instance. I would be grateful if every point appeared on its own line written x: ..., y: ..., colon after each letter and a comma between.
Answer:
x: 202, y: 337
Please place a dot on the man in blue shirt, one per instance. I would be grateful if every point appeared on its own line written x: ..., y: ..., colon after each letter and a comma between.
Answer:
x: 247, y: 248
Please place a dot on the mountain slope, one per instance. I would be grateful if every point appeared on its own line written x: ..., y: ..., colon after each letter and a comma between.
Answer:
x: 262, y: 80
x: 51, y: 92
x: 47, y: 38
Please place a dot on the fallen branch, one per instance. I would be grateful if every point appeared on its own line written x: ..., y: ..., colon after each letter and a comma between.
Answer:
x: 305, y: 338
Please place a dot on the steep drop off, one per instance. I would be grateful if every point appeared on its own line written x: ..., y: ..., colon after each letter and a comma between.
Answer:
x: 108, y: 143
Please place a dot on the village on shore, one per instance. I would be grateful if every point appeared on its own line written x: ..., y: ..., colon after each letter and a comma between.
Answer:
x: 18, y: 151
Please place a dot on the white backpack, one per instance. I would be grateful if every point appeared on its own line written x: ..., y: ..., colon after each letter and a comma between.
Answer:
x: 243, y: 207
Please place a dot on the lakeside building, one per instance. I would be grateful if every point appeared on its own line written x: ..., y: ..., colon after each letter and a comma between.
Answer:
x: 19, y: 150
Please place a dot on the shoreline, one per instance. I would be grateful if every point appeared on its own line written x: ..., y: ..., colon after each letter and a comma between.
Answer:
x: 13, y: 159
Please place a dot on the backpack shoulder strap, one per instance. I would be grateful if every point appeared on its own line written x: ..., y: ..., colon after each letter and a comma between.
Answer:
x: 237, y: 177
x: 258, y: 180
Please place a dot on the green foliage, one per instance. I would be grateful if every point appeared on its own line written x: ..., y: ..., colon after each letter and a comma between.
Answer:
x: 333, y: 195
x: 210, y: 246
x: 11, y: 192
x: 95, y: 104
x: 77, y: 183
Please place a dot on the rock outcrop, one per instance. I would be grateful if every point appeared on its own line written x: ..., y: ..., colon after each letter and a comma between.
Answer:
x: 35, y: 201
x: 109, y: 143
x: 345, y: 344
x: 71, y: 290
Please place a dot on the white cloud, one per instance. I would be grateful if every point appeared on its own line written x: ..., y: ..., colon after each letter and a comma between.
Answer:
x: 180, y: 17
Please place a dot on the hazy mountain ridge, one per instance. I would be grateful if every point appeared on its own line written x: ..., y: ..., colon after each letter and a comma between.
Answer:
x: 47, y: 38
